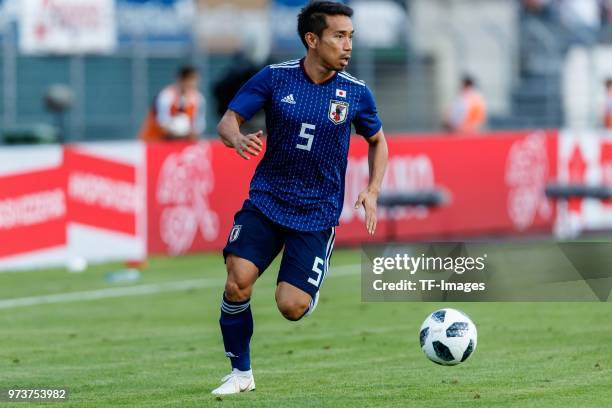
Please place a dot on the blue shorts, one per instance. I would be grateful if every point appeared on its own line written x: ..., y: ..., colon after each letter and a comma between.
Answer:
x: 258, y: 239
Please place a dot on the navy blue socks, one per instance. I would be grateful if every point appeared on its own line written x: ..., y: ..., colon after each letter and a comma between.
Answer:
x: 237, y: 328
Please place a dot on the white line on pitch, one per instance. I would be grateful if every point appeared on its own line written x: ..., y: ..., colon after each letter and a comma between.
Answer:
x: 139, y: 290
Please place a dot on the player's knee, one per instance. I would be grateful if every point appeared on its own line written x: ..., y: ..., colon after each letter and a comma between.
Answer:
x: 239, y: 283
x: 291, y: 309
x: 237, y: 290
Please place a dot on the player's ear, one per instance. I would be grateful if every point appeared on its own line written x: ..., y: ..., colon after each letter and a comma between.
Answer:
x: 312, y: 40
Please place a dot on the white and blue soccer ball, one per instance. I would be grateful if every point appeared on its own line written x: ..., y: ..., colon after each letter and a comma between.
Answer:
x: 448, y: 337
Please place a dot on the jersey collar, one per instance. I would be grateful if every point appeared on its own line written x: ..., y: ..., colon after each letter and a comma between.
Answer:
x: 327, y: 81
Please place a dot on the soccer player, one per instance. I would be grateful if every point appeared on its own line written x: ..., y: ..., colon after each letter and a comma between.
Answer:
x: 297, y: 192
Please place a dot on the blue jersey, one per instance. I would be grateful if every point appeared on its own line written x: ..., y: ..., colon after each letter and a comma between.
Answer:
x: 299, y: 182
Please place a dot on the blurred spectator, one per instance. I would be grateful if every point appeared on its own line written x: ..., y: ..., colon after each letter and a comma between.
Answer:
x: 177, y: 111
x: 468, y: 113
x: 608, y: 105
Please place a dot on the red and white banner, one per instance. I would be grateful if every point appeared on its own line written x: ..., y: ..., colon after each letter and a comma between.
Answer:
x: 585, y: 158
x: 122, y: 201
x: 105, y: 186
x: 81, y: 201
x: 67, y: 26
x: 193, y: 192
x: 32, y: 207
x: 496, y: 184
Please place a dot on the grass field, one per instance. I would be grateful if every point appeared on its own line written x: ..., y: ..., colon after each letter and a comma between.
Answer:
x: 159, y: 345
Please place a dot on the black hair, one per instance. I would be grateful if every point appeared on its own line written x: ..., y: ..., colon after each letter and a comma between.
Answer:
x: 312, y: 18
x: 468, y: 81
x: 186, y: 71
x: 608, y: 82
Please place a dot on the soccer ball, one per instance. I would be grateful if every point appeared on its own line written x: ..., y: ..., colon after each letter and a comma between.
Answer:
x: 448, y: 337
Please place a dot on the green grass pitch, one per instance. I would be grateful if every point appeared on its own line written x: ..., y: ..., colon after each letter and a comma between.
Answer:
x: 163, y: 348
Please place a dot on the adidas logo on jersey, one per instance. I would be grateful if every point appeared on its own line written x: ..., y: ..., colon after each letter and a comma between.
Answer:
x: 289, y: 99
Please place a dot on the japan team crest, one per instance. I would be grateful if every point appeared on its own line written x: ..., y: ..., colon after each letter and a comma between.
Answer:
x: 338, y: 111
x: 235, y: 233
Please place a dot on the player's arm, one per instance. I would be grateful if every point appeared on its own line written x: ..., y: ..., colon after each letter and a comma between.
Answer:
x: 229, y: 131
x: 378, y: 154
x: 367, y: 123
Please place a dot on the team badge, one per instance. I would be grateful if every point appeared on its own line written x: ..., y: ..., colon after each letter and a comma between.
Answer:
x: 235, y: 232
x: 338, y: 111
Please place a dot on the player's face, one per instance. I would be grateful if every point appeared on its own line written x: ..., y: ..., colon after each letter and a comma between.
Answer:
x: 336, y: 43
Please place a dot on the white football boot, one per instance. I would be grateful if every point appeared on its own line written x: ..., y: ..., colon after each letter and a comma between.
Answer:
x: 236, y: 382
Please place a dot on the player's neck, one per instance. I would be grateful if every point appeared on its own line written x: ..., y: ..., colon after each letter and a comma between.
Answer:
x: 316, y: 71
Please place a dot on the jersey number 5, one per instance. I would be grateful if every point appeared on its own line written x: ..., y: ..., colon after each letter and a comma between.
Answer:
x: 316, y: 268
x: 307, y: 136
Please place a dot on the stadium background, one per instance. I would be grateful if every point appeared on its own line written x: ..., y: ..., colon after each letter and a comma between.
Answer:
x: 118, y: 337
x: 539, y: 67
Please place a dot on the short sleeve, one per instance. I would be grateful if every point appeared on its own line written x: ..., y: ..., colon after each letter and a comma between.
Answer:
x: 366, y: 120
x: 253, y: 95
x: 163, y: 106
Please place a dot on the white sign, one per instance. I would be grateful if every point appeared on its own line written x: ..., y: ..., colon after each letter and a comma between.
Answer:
x: 67, y: 26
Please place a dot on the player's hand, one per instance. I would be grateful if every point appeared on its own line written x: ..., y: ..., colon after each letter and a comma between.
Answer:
x: 250, y: 144
x: 368, y: 199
